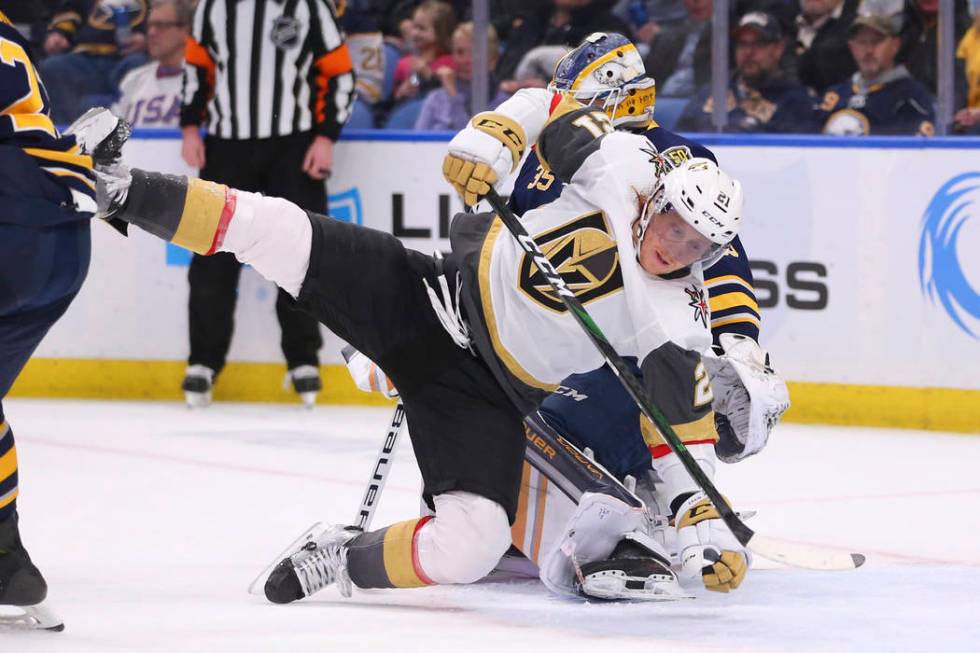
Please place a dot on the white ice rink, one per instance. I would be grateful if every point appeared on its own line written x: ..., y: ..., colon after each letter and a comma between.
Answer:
x: 149, y: 521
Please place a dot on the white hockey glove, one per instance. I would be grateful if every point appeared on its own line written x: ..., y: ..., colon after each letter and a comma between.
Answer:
x: 366, y: 373
x: 707, y: 548
x: 484, y: 152
x: 750, y: 397
x: 492, y: 145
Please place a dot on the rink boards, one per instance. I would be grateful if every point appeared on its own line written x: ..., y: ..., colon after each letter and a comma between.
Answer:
x: 864, y: 254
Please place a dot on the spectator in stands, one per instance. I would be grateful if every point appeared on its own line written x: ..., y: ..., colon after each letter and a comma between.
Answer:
x: 920, y: 39
x: 823, y: 57
x: 680, y: 55
x: 881, y: 97
x: 968, y: 118
x: 647, y: 17
x: 91, y: 45
x: 31, y: 19
x: 150, y: 94
x: 536, y: 68
x: 558, y: 22
x: 760, y: 98
x: 366, y: 44
x: 432, y: 29
x: 21, y: 14
x: 450, y: 107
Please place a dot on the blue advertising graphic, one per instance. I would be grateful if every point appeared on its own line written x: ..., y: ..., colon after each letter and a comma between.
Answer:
x: 345, y: 206
x: 941, y: 244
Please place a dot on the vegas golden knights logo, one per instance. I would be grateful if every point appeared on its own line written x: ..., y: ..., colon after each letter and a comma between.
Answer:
x: 584, y: 253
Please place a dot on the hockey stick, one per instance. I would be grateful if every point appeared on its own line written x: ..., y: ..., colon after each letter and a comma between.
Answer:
x: 797, y: 555
x: 365, y: 512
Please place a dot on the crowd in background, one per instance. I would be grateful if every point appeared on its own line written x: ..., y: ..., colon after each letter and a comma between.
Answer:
x: 797, y: 66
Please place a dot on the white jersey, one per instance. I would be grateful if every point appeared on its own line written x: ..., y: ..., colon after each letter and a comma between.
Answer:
x: 587, y: 235
x: 150, y: 97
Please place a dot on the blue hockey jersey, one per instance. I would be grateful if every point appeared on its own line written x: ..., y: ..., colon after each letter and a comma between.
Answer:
x: 898, y: 105
x: 47, y: 190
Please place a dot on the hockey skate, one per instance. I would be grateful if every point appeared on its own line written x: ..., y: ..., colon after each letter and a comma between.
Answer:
x: 319, y: 560
x: 197, y: 384
x: 306, y: 382
x: 22, y: 587
x: 635, y: 571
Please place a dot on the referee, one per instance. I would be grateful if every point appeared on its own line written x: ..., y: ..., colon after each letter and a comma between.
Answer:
x: 271, y: 82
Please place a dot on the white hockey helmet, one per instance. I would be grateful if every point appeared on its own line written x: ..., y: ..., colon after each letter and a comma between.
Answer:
x: 705, y: 197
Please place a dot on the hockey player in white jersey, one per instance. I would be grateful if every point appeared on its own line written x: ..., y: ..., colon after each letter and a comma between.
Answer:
x: 475, y: 341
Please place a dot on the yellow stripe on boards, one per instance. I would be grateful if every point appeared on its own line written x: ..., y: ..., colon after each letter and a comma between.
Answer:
x: 160, y: 380
x: 936, y: 409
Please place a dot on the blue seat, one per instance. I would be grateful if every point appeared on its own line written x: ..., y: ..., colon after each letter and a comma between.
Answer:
x: 668, y: 111
x: 404, y: 115
x: 361, y: 116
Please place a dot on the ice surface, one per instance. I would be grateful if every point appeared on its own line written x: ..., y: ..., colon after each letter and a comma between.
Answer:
x: 149, y: 521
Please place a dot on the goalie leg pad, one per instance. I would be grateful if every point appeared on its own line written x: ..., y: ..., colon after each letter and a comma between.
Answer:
x: 592, y: 533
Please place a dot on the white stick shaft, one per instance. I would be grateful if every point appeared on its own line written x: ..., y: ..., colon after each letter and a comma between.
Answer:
x: 379, y: 476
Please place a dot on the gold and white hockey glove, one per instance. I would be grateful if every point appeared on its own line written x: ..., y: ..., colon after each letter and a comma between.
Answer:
x: 366, y: 373
x: 707, y: 548
x: 750, y: 397
x: 484, y: 152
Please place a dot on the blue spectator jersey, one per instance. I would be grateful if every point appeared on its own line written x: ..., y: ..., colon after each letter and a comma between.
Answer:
x: 899, y: 106
x: 777, y: 108
x: 47, y: 190
x: 593, y: 410
x: 90, y: 25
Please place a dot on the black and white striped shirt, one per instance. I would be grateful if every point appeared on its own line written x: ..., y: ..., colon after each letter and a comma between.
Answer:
x: 263, y: 68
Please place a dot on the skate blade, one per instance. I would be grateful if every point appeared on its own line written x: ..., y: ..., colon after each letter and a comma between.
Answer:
x: 611, y: 586
x: 31, y: 617
x: 309, y: 399
x: 257, y: 586
x: 197, y: 399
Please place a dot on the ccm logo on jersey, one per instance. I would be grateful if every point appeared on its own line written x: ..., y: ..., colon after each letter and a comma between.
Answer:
x: 571, y: 393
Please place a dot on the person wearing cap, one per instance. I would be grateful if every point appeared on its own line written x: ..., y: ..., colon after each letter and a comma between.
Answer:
x: 881, y: 97
x: 822, y: 57
x: 761, y: 98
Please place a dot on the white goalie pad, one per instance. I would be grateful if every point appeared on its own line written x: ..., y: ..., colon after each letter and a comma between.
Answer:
x: 593, y: 531
x: 749, y: 393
